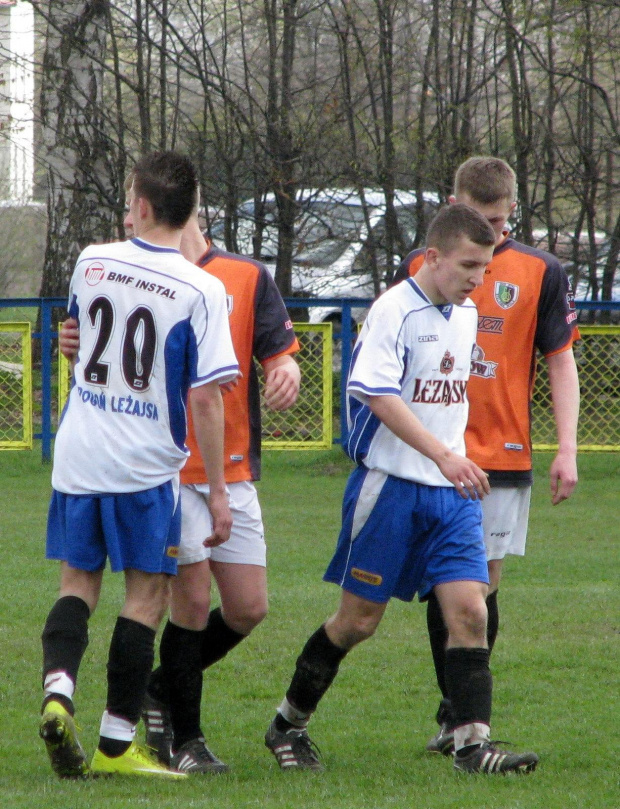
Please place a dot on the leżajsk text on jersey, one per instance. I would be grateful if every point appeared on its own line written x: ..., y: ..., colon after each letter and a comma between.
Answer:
x: 151, y: 326
x: 409, y: 347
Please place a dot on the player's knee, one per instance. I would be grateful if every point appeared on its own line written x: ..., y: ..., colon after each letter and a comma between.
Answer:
x: 467, y: 623
x: 243, y: 618
x: 190, y: 607
x: 353, y: 630
x: 473, y: 619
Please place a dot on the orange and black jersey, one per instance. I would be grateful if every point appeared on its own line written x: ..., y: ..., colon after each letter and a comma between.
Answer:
x: 260, y: 328
x: 524, y: 304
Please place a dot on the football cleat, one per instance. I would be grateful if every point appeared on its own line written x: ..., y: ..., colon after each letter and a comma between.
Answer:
x: 134, y: 761
x: 195, y: 757
x: 293, y: 748
x: 443, y: 741
x: 58, y: 731
x: 488, y: 759
x: 156, y: 718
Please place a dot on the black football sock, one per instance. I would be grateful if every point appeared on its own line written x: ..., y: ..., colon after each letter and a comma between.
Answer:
x: 470, y: 685
x: 129, y: 664
x: 316, y: 667
x: 179, y: 653
x: 217, y: 639
x: 493, y: 620
x: 438, y: 637
x: 65, y: 636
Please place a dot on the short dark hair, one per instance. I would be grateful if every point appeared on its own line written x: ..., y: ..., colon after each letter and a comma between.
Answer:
x: 486, y: 180
x: 454, y: 221
x: 169, y: 182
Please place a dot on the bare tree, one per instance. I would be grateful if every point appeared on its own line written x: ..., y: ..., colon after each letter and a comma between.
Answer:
x: 82, y: 182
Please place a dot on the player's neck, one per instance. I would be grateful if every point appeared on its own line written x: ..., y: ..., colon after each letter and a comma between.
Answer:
x: 193, y: 244
x: 160, y: 235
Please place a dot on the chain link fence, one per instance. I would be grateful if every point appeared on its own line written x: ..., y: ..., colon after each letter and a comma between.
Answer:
x: 598, y: 361
x: 15, y: 386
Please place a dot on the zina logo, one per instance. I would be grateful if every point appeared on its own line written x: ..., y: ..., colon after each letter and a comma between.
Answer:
x: 94, y: 274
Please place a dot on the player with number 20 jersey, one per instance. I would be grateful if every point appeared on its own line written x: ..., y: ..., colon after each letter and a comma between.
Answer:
x: 139, y: 354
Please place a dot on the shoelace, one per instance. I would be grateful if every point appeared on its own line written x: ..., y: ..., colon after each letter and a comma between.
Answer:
x: 310, y: 748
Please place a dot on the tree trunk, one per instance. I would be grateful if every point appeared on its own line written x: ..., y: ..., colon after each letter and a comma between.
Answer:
x: 82, y: 182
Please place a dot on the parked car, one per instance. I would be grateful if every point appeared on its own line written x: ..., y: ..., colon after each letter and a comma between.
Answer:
x: 332, y: 252
x: 579, y: 272
x: 580, y: 275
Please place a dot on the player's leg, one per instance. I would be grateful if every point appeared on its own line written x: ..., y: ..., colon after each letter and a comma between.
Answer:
x: 504, y: 522
x: 469, y: 682
x: 65, y: 635
x: 142, y: 533
x: 194, y: 639
x: 239, y: 569
x: 178, y: 681
x: 315, y: 670
x: 369, y: 564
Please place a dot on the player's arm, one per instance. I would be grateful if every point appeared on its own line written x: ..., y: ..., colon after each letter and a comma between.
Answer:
x: 69, y: 339
x: 208, y: 418
x: 564, y: 384
x: 282, y: 380
x: 465, y: 475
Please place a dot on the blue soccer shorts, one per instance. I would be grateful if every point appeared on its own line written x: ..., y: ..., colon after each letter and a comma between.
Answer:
x: 139, y: 530
x: 399, y: 538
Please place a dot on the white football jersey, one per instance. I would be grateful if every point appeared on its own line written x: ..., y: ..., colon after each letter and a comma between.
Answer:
x: 411, y: 348
x: 152, y: 325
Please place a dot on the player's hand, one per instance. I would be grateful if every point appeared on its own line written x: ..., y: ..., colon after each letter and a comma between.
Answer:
x: 466, y: 476
x: 221, y: 519
x: 563, y: 477
x: 69, y: 338
x: 282, y: 386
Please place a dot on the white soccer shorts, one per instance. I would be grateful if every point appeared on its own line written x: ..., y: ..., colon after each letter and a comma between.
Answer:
x: 246, y: 545
x: 505, y: 514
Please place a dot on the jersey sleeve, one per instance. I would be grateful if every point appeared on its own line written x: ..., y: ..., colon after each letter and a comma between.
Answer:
x: 557, y: 316
x: 273, y: 330
x: 378, y: 359
x: 215, y: 357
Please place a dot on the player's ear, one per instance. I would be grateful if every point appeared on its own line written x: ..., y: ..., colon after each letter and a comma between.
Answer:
x: 144, y: 207
x: 431, y: 256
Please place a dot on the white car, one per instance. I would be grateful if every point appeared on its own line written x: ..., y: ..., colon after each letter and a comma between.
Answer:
x: 332, y: 254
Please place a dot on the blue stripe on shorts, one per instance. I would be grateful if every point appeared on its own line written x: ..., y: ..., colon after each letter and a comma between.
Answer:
x: 399, y: 538
x: 139, y: 530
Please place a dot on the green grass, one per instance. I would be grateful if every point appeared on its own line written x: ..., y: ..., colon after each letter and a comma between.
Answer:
x: 556, y: 663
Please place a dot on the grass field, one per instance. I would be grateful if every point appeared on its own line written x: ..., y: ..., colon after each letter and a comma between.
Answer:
x: 556, y: 664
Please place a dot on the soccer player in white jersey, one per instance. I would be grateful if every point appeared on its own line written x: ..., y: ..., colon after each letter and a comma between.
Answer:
x: 411, y: 517
x: 153, y: 328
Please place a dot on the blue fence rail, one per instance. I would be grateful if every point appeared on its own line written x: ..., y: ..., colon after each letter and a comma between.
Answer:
x: 48, y: 334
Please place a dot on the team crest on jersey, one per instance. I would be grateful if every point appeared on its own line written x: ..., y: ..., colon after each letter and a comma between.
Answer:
x: 446, y: 366
x: 480, y: 366
x: 94, y: 274
x: 229, y: 303
x: 506, y: 295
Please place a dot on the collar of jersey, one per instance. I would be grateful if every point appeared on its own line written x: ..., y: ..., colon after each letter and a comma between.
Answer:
x: 444, y: 309
x: 154, y: 248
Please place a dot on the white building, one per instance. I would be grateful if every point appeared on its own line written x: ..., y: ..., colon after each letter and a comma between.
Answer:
x: 16, y: 101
